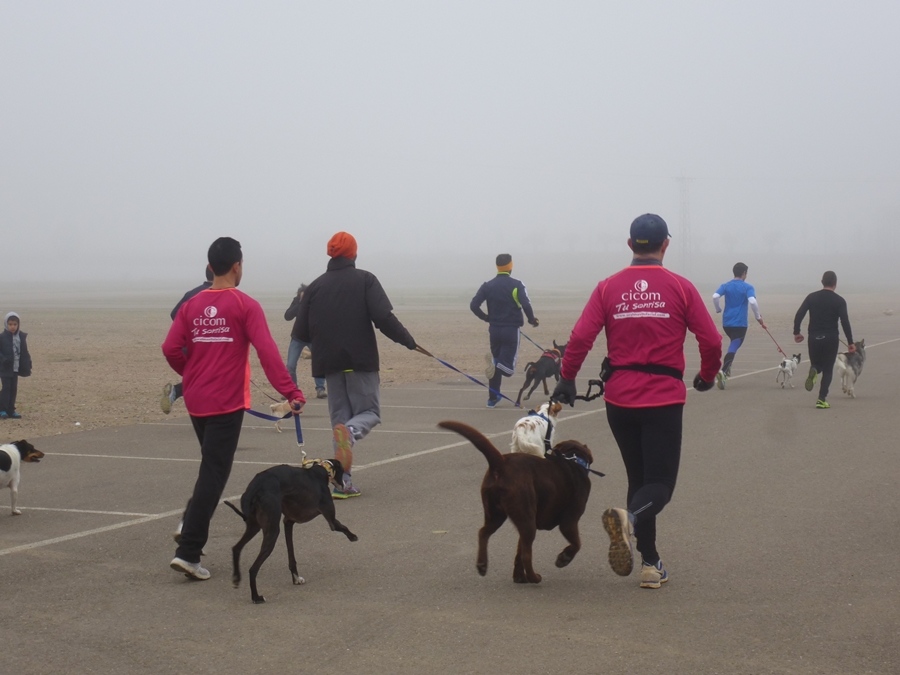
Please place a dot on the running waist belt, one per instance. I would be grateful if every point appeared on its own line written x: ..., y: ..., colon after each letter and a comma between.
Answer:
x: 607, y: 369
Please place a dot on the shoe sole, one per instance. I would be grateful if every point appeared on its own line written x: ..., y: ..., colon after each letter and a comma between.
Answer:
x: 165, y: 402
x: 621, y: 554
x: 491, y: 368
x: 187, y: 571
x: 343, y: 495
x: 720, y: 380
x: 343, y: 447
x: 823, y: 407
x: 655, y: 584
x: 811, y: 379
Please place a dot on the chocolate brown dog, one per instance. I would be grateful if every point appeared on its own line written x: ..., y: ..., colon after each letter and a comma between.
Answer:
x: 535, y: 493
x: 300, y: 494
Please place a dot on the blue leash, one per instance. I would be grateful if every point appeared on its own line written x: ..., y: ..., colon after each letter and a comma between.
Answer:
x: 532, y: 341
x: 272, y: 418
x: 452, y: 367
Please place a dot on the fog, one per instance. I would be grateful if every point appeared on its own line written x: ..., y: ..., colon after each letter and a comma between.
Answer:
x: 443, y: 133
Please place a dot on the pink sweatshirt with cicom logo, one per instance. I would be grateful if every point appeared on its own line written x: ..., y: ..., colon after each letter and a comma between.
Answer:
x: 646, y: 311
x: 217, y: 327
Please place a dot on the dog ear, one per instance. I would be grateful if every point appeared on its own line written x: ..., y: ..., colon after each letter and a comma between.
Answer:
x: 572, y: 447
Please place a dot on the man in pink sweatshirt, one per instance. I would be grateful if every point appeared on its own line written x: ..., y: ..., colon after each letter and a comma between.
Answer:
x: 646, y: 311
x: 217, y: 327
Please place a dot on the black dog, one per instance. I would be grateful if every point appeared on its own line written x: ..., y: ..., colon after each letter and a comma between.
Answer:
x: 300, y: 494
x: 543, y: 369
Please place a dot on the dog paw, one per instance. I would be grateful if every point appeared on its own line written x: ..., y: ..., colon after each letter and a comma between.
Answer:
x: 258, y: 601
x: 520, y: 579
x: 563, y: 559
x: 536, y: 579
x: 482, y: 568
x: 298, y: 580
x: 352, y: 537
x: 16, y: 512
x: 236, y: 582
x: 278, y: 426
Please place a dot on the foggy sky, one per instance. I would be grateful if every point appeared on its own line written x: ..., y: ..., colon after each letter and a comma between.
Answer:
x: 443, y: 133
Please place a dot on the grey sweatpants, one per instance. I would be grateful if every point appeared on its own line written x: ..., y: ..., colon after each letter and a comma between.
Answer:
x: 354, y: 400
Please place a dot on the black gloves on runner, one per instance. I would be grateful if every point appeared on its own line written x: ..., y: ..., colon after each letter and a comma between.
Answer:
x: 702, y: 385
x: 565, y: 392
x: 534, y: 322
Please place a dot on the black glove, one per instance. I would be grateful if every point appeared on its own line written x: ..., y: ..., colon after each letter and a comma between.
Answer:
x: 565, y: 392
x: 534, y: 322
x: 702, y: 385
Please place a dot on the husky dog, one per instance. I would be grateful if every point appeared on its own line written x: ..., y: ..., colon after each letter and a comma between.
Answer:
x: 850, y: 367
x: 786, y: 370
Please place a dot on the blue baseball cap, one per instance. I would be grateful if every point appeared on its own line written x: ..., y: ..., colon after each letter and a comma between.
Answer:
x: 649, y: 229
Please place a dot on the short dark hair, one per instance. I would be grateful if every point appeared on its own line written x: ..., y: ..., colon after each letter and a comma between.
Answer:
x: 829, y: 279
x: 739, y: 269
x: 649, y: 247
x: 223, y: 254
x: 503, y: 259
x: 209, y: 273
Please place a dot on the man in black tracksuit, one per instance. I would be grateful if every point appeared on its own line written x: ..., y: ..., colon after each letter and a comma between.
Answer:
x: 172, y: 393
x: 825, y: 309
x: 338, y: 315
x: 506, y: 300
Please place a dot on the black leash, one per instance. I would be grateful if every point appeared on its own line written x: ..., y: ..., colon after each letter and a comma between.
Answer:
x: 264, y: 392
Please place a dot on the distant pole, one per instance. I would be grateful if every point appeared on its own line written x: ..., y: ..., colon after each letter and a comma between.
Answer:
x: 684, y: 245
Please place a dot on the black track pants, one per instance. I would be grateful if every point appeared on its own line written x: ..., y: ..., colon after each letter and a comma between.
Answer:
x: 650, y: 442
x: 823, y: 351
x: 218, y: 436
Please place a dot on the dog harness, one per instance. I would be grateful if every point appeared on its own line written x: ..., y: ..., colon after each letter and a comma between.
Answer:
x: 552, y: 354
x: 547, y: 448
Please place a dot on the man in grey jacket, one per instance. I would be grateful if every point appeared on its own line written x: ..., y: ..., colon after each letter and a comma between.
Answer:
x: 338, y: 315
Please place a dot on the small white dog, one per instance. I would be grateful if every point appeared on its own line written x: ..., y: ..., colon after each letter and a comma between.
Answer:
x: 11, y: 457
x: 280, y: 409
x: 529, y: 432
x: 786, y: 370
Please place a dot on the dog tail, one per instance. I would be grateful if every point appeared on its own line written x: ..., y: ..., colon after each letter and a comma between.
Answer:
x: 491, y: 454
x: 236, y: 510
x: 528, y: 365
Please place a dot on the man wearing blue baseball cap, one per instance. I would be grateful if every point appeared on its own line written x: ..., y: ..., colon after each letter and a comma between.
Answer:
x: 646, y: 311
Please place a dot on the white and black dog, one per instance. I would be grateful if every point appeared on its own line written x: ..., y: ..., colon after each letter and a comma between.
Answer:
x: 786, y: 370
x: 11, y: 457
x: 850, y: 366
x: 532, y: 433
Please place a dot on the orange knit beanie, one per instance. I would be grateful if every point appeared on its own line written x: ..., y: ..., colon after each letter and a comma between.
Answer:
x: 342, y: 245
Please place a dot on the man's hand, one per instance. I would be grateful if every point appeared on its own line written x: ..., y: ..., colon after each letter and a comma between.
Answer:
x: 296, y: 406
x: 762, y: 324
x: 798, y: 338
x: 851, y: 348
x: 534, y: 322
x: 565, y: 392
x: 702, y: 385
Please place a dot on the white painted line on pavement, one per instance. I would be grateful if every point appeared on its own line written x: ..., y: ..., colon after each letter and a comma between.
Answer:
x: 168, y: 514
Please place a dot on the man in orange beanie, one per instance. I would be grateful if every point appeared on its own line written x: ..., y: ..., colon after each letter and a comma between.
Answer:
x: 338, y: 316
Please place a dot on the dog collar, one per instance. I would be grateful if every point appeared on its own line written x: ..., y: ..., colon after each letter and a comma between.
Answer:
x: 580, y: 461
x: 324, y: 463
